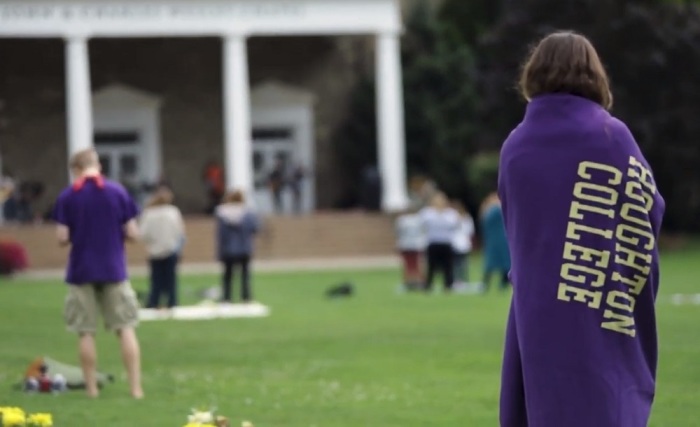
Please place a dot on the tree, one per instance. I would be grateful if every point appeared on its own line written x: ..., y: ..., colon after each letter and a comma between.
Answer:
x: 471, y: 18
x: 440, y: 104
x: 652, y: 52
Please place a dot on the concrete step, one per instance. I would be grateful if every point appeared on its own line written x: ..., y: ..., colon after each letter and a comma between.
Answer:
x: 327, y: 235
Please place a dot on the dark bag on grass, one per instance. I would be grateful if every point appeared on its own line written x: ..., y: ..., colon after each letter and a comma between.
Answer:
x: 342, y: 290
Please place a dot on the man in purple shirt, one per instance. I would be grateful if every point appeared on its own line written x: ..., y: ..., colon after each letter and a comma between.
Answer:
x: 582, y: 215
x: 95, y: 216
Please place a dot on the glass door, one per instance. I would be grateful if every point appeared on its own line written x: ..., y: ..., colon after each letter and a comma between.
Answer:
x: 269, y: 155
x: 120, y: 154
x: 119, y: 163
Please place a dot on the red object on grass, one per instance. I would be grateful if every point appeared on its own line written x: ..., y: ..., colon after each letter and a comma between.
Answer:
x: 45, y: 384
x: 13, y: 257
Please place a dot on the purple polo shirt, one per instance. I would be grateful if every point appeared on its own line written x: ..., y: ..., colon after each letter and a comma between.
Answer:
x: 582, y: 215
x: 95, y: 211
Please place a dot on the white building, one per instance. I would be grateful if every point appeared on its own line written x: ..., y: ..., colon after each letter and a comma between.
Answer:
x: 161, y: 86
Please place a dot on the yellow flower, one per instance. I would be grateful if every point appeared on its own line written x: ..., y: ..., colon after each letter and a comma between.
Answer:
x: 201, y: 417
x: 40, y: 420
x: 12, y: 417
x: 6, y: 409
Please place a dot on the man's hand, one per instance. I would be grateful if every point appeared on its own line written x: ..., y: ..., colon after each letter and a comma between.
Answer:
x: 63, y: 235
x: 131, y: 230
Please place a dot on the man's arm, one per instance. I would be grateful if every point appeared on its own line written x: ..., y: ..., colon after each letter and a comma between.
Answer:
x: 131, y: 230
x: 63, y: 235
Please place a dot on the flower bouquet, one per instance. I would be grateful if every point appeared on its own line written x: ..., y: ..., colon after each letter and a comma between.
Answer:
x: 200, y: 418
x: 16, y: 417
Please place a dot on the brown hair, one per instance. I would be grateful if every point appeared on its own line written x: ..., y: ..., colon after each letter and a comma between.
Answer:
x: 84, y: 159
x: 566, y: 62
x: 440, y: 201
x: 235, y: 196
x: 162, y: 196
x: 460, y: 208
x: 490, y: 200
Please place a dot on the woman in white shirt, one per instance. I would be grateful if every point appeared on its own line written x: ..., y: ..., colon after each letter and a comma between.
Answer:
x: 163, y: 231
x: 440, y: 222
x: 462, y: 244
x: 410, y: 242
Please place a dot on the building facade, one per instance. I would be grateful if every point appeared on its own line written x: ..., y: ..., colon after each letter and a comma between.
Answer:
x: 162, y: 88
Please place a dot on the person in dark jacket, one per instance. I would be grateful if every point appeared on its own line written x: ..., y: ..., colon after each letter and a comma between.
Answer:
x: 236, y: 227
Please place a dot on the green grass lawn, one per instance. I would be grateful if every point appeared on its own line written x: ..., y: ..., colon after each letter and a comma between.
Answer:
x: 378, y: 359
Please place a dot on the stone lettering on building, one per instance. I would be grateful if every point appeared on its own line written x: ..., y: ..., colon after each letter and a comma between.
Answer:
x: 20, y: 12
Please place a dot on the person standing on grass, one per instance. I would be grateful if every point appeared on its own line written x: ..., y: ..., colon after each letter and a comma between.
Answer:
x: 410, y: 242
x: 462, y: 244
x: 236, y: 227
x: 440, y: 222
x: 95, y: 217
x: 163, y: 232
x: 582, y: 215
x: 496, y: 253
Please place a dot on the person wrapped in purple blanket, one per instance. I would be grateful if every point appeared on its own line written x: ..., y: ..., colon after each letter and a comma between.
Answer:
x: 582, y: 215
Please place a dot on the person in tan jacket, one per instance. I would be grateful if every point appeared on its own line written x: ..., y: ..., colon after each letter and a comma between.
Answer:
x: 163, y: 232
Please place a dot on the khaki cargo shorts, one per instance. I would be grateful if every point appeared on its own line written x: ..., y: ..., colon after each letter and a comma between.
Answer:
x: 117, y: 302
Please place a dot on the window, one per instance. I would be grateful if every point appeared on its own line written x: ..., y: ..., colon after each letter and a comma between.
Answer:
x: 128, y: 164
x: 106, y: 163
x: 276, y: 133
x: 116, y: 138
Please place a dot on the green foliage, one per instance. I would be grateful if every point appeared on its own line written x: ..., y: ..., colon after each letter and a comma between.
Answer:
x: 651, y: 50
x: 440, y: 101
x: 470, y: 18
x: 482, y: 173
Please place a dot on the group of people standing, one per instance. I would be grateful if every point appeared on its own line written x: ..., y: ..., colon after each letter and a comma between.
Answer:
x: 17, y: 199
x: 281, y: 179
x: 163, y: 232
x: 439, y: 237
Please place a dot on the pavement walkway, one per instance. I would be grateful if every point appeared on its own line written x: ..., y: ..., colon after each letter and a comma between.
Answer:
x: 311, y: 264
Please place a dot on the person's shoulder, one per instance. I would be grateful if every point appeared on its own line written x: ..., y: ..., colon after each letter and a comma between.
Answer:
x: 518, y: 130
x: 618, y: 129
x: 164, y: 209
x: 114, y: 188
x: 65, y: 193
x: 63, y: 198
x: 621, y: 136
x: 514, y: 137
x: 169, y: 209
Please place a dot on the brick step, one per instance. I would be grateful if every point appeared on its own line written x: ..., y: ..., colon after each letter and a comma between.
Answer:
x: 315, y: 236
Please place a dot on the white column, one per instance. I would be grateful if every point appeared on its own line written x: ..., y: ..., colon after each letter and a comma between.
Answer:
x: 390, y: 115
x: 78, y: 98
x: 238, y: 152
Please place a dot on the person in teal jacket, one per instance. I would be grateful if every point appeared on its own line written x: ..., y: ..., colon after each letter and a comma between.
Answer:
x: 496, y: 255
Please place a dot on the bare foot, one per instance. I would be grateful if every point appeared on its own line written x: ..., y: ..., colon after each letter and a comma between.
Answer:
x: 137, y: 394
x: 93, y: 394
